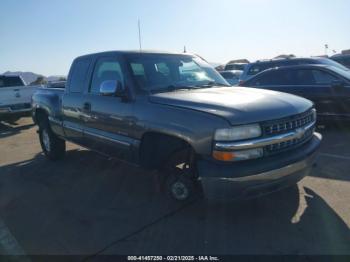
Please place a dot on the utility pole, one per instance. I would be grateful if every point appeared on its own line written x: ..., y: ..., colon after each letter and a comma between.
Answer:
x: 139, y: 26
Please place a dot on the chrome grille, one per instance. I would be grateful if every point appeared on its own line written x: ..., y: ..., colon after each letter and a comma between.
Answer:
x: 275, y: 148
x: 286, y: 125
x: 292, y: 123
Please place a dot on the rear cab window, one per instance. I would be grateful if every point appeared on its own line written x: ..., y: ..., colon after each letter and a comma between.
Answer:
x: 78, y: 75
x: 9, y: 81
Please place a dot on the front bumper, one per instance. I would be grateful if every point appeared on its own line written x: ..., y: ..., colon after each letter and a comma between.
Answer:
x: 257, y: 177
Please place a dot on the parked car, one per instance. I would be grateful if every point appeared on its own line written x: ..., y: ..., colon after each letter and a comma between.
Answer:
x: 254, y: 68
x: 15, y: 98
x: 56, y: 84
x: 232, y: 76
x: 327, y: 86
x: 342, y: 59
x: 174, y: 113
x: 235, y: 66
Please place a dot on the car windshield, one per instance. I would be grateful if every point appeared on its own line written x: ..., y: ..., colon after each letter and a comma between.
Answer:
x: 167, y: 72
x: 343, y: 73
x: 332, y: 63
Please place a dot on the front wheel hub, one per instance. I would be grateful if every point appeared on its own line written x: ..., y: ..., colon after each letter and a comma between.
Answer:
x: 180, y: 190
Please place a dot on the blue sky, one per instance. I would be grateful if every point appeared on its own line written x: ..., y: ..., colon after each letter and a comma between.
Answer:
x: 44, y: 36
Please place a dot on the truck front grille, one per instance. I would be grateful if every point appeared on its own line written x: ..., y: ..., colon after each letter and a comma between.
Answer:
x: 275, y: 148
x: 286, y: 125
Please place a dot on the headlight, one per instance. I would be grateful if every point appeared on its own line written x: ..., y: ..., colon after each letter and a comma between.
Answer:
x: 238, y: 133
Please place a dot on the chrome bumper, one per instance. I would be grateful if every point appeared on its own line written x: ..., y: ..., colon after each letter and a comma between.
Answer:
x: 239, y: 180
x: 274, y: 174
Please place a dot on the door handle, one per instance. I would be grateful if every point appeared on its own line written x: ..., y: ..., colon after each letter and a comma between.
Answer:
x: 87, y: 106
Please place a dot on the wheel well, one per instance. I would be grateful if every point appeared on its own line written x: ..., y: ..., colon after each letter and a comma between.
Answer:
x: 156, y: 148
x: 40, y: 115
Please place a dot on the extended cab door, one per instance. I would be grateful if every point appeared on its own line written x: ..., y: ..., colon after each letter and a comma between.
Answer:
x: 108, y: 121
x: 73, y: 110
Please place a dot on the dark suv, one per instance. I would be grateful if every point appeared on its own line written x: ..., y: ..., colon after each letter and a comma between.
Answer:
x: 327, y: 86
x: 254, y: 68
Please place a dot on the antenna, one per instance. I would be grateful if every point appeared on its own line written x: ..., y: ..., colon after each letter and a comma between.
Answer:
x: 139, y: 26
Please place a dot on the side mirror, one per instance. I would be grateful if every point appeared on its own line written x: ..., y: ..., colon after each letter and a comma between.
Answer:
x: 337, y: 84
x: 111, y: 88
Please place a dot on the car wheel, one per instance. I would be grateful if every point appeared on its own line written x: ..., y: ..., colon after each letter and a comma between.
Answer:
x: 53, y: 147
x: 180, y: 188
x: 180, y: 181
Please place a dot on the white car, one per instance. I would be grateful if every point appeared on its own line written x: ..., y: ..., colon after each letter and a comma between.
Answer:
x: 15, y: 98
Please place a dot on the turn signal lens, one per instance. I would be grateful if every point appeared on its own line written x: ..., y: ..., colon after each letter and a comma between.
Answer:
x: 238, y: 155
x: 223, y: 156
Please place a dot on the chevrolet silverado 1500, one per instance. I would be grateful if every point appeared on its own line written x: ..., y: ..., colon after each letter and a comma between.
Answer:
x: 174, y: 113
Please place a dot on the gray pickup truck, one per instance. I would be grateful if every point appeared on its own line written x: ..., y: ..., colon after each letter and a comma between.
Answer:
x: 175, y: 114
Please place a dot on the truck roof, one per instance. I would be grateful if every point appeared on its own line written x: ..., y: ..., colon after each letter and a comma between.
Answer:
x: 134, y: 52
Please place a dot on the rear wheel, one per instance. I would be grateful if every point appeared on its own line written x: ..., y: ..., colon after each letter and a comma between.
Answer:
x: 53, y: 147
x: 180, y: 178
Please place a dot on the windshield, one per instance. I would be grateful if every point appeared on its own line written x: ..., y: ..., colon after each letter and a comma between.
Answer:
x: 330, y: 62
x: 159, y: 72
x: 343, y: 73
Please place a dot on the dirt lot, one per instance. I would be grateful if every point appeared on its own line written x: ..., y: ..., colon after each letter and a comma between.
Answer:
x: 87, y: 204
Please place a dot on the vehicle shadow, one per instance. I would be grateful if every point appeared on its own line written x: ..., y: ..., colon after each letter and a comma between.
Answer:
x: 9, y: 129
x: 281, y: 223
x: 78, y: 205
x: 87, y: 204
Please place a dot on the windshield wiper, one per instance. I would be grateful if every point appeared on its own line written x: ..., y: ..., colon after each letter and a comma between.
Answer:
x: 171, y: 88
x: 212, y: 83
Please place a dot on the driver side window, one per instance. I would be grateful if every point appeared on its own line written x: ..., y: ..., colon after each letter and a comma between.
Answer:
x: 105, y: 69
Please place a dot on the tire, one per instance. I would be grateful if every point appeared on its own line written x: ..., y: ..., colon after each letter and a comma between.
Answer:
x: 180, y: 183
x: 181, y: 188
x: 53, y: 147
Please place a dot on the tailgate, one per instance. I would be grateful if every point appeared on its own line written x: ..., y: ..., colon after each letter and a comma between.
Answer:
x: 16, y: 95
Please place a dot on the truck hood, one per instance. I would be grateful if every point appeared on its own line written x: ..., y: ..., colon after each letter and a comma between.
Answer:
x: 238, y: 105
